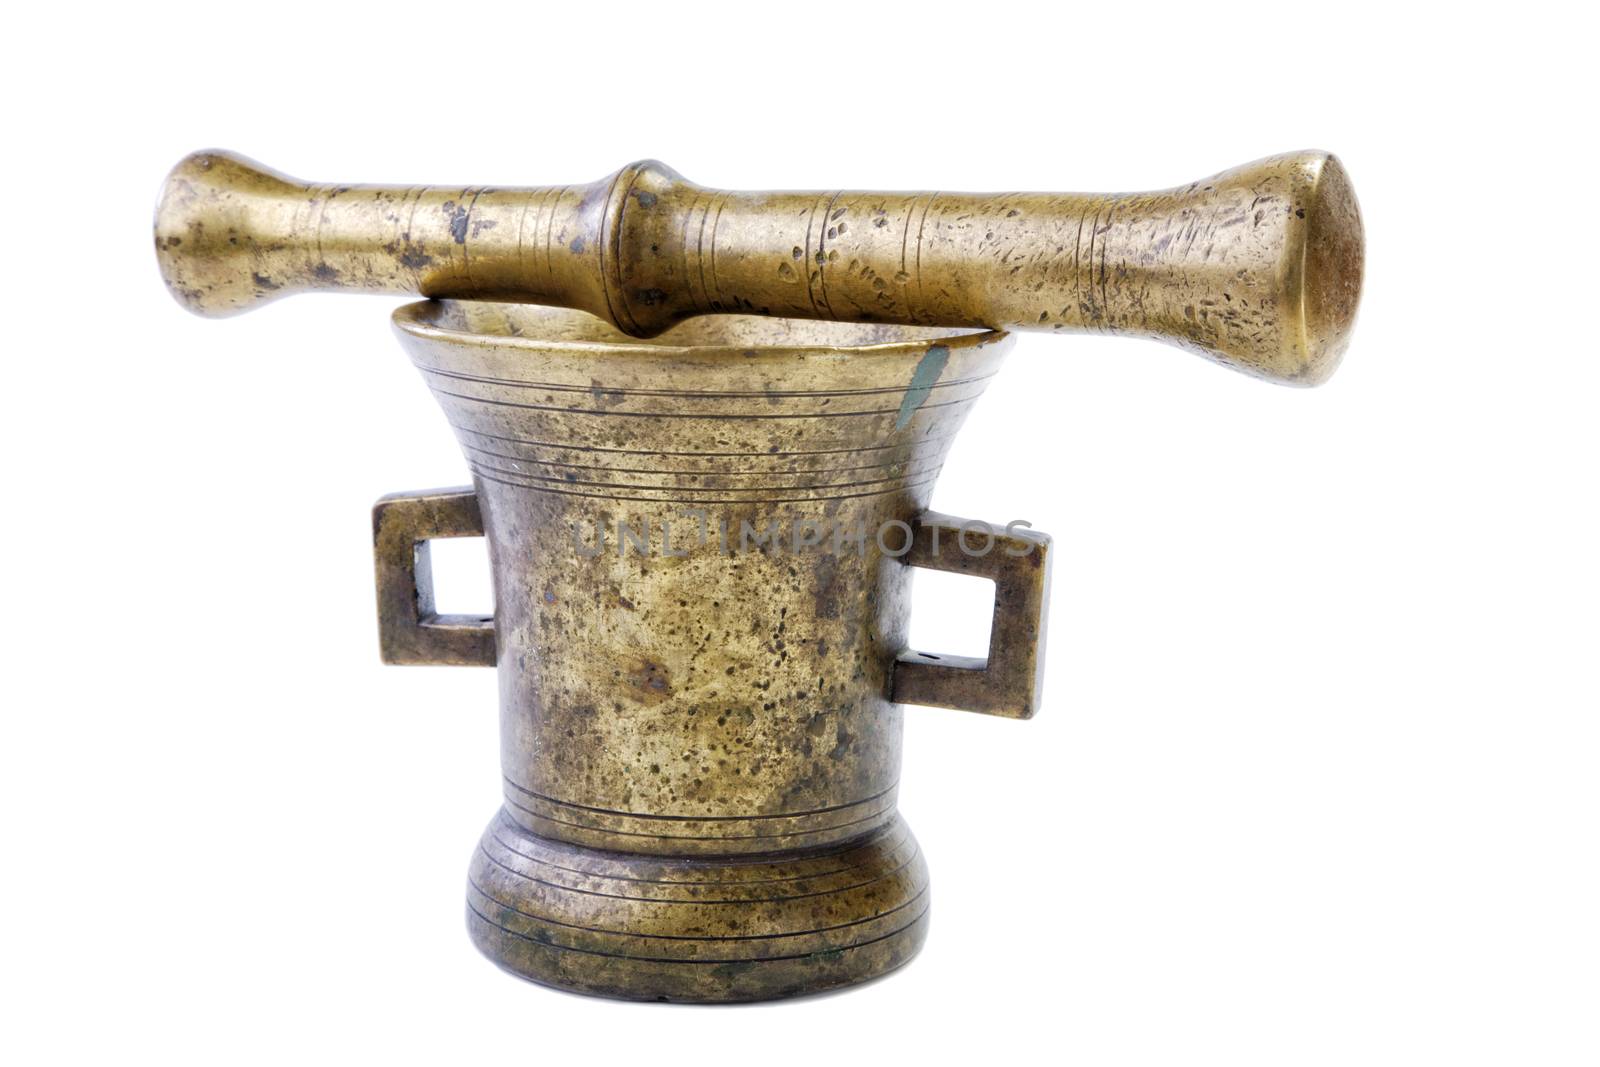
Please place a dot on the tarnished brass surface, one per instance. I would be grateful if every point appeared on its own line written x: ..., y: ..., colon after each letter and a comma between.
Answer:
x: 702, y: 544
x: 701, y: 744
x: 1258, y: 267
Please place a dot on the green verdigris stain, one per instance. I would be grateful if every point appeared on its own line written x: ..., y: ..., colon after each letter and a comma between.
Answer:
x: 922, y: 381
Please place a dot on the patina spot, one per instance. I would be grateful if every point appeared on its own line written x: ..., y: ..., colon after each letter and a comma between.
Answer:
x: 922, y: 382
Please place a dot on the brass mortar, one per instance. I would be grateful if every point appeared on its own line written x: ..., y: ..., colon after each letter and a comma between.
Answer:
x: 700, y: 721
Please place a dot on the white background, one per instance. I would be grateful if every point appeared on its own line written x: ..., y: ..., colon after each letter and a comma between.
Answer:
x: 1316, y: 776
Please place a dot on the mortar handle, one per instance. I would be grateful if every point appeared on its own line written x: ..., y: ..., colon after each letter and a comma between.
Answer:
x: 410, y: 631
x: 1009, y: 681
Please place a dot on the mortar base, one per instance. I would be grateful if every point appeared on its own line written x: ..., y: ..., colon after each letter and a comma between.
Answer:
x: 697, y: 929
